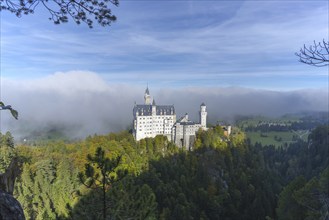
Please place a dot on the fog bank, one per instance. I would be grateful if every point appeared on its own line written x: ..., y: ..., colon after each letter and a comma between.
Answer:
x: 81, y: 103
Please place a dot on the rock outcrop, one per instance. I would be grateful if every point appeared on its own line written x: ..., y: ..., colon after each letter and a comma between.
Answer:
x: 10, y: 208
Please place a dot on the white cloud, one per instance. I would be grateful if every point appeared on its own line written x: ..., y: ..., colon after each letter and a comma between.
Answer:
x: 184, y: 38
x: 82, y: 103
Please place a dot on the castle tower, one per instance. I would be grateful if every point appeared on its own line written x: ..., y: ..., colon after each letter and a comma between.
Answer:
x: 153, y: 107
x: 147, y: 97
x: 203, y: 116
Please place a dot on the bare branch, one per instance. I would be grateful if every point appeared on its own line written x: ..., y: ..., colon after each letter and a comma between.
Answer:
x: 315, y: 55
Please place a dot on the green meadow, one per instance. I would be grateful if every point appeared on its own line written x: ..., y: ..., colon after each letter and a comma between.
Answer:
x: 276, y: 138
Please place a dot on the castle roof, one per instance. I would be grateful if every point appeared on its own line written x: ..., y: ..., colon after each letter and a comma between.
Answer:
x: 185, y: 121
x: 203, y: 104
x: 183, y: 118
x: 146, y: 110
x: 189, y: 123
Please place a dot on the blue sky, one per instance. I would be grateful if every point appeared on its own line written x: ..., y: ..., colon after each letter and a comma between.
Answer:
x: 175, y: 44
x: 236, y: 56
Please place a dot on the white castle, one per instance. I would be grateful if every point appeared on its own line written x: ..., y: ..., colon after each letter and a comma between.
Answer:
x: 151, y: 120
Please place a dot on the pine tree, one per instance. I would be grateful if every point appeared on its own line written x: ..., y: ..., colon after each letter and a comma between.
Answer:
x: 100, y: 173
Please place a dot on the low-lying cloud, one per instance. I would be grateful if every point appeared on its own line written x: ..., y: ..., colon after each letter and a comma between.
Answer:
x: 81, y: 103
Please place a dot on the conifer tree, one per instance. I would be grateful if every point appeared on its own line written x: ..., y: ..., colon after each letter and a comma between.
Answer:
x: 100, y: 173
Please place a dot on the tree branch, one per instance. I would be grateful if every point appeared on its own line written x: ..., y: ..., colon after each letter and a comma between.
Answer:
x: 315, y: 55
x: 86, y: 11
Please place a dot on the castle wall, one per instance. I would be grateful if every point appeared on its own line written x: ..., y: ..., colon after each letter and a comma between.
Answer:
x: 151, y: 126
x: 151, y: 120
x: 184, y: 134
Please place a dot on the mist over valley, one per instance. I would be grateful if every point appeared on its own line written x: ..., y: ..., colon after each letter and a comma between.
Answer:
x: 79, y: 103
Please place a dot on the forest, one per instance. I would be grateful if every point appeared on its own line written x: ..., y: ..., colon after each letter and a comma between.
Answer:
x: 114, y: 177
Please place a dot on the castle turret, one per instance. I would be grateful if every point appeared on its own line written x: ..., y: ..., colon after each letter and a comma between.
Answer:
x: 147, y: 97
x: 203, y: 116
x: 154, y: 107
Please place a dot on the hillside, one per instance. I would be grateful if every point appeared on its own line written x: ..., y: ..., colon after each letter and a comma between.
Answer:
x: 221, y: 179
x: 281, y: 131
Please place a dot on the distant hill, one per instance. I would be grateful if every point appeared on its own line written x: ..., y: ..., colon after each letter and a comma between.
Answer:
x: 283, y: 130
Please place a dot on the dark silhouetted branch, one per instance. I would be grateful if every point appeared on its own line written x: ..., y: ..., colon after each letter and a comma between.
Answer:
x: 13, y: 112
x: 315, y: 55
x: 81, y: 11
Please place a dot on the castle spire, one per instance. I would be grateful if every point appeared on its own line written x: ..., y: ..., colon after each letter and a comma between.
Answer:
x: 147, y: 97
x: 147, y: 90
